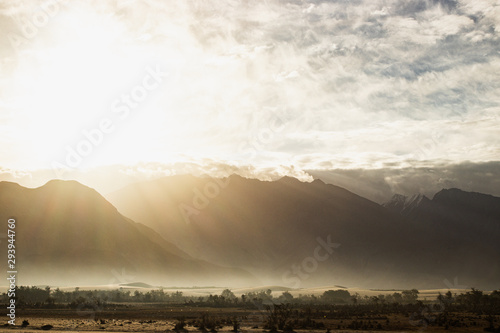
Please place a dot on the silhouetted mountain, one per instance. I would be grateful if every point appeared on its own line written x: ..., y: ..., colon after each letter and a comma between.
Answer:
x: 272, y: 230
x: 461, y: 228
x: 450, y: 206
x: 67, y: 233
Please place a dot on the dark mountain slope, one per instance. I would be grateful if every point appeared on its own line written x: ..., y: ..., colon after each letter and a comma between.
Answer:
x: 461, y: 228
x: 273, y: 230
x: 67, y: 233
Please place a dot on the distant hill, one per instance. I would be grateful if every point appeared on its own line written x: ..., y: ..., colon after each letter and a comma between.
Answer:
x: 136, y: 285
x: 68, y: 234
x: 272, y: 230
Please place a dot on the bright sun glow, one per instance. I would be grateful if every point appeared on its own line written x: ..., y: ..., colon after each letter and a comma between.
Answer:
x: 71, y: 86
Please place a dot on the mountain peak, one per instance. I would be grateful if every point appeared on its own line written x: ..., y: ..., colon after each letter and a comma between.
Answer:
x: 454, y: 193
x: 404, y: 204
x: 9, y: 185
x: 448, y: 191
x: 318, y: 181
x: 477, y: 202
x: 416, y: 199
x: 60, y: 185
x: 457, y: 195
x: 73, y: 186
x: 61, y: 182
x: 72, y: 192
x: 398, y: 198
x: 288, y: 179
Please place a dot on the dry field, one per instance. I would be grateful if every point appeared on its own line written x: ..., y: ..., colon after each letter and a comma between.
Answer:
x: 146, y: 318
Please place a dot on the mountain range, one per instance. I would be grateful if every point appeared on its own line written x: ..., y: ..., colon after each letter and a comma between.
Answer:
x: 272, y: 230
x: 68, y: 234
x: 185, y: 230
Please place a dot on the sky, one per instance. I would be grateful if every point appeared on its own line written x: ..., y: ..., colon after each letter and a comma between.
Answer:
x: 376, y: 96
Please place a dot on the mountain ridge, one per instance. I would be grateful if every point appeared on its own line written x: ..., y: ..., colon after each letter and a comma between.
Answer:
x: 286, y: 232
x: 283, y: 218
x: 65, y: 228
x: 458, y: 199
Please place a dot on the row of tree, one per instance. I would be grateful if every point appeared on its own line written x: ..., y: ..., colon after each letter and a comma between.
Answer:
x: 474, y: 300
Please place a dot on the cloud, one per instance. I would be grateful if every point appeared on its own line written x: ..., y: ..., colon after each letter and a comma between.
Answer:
x: 380, y: 184
x: 357, y: 84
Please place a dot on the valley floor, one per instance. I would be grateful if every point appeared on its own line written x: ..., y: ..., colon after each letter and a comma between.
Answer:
x: 160, y: 319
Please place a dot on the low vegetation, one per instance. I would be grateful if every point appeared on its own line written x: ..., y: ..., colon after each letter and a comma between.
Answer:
x: 334, y: 309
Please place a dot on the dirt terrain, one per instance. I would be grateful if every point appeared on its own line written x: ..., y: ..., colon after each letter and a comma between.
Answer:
x: 147, y: 318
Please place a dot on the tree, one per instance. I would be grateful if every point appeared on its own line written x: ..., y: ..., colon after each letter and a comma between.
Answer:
x: 277, y: 316
x: 336, y: 296
x: 228, y: 295
x: 355, y: 298
x: 286, y: 297
x: 59, y: 295
x: 397, y: 297
x: 410, y: 296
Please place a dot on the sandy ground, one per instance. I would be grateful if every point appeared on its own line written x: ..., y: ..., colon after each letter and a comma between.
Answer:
x: 89, y: 325
x: 72, y: 326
